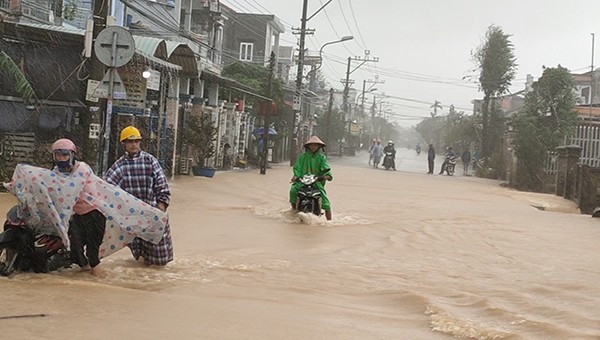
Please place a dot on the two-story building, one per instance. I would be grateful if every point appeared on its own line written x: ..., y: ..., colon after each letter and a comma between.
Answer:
x: 251, y: 37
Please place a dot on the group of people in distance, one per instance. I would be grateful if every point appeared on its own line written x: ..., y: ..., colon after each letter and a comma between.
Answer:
x: 466, y: 158
x: 378, y: 151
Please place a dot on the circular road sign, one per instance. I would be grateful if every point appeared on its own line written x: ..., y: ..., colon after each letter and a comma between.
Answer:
x: 125, y: 46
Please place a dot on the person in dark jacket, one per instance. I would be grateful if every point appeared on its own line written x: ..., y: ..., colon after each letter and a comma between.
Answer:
x: 430, y: 158
x: 390, y: 148
x: 449, y: 155
x: 466, y: 159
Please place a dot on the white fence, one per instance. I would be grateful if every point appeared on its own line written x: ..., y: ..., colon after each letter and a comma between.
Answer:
x: 588, y: 138
x: 551, y: 166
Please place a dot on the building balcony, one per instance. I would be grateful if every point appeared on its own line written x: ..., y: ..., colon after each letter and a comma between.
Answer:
x: 37, y: 11
x: 213, y: 62
x: 212, y: 6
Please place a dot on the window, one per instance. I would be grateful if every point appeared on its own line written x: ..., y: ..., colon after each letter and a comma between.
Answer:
x: 246, y: 50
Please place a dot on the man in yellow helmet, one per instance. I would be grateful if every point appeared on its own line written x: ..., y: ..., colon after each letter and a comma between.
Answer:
x: 140, y: 174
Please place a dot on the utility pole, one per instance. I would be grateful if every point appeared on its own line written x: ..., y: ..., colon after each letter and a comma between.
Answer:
x: 328, y: 117
x: 589, y: 127
x: 297, y: 98
x: 298, y: 95
x: 347, y: 82
x: 365, y: 82
x: 93, y: 114
x: 267, y: 111
x: 374, y: 107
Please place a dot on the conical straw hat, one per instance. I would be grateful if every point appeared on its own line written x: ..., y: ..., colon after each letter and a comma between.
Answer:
x: 314, y: 140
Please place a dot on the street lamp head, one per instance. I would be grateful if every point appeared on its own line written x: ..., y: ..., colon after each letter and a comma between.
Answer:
x: 342, y: 39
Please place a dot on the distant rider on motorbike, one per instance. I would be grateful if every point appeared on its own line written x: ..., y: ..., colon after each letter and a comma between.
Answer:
x: 390, y: 148
x: 312, y: 161
x: 86, y: 228
x: 449, y: 155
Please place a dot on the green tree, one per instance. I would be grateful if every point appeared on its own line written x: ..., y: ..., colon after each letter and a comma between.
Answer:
x: 436, y: 105
x: 461, y: 129
x: 255, y: 77
x: 433, y: 130
x: 22, y: 85
x: 330, y: 127
x: 497, y: 66
x: 12, y: 71
x: 547, y: 117
x: 387, y: 131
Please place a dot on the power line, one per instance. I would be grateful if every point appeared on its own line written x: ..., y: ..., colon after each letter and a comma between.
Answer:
x: 356, y: 24
x: 348, y: 25
x: 243, y: 24
x: 333, y: 28
x: 270, y: 12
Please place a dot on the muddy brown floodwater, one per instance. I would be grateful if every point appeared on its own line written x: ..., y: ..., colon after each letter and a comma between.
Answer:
x: 407, y: 256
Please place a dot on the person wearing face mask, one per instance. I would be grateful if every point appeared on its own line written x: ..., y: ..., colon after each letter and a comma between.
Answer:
x: 86, y: 227
x: 140, y: 174
x: 314, y: 162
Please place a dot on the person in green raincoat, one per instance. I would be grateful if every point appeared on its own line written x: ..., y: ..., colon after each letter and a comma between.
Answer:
x: 312, y: 161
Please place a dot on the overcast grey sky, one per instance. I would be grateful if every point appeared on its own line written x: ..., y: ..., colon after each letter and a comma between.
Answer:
x: 424, y: 46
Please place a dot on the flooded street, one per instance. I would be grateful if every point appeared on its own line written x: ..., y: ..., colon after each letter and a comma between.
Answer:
x: 407, y: 256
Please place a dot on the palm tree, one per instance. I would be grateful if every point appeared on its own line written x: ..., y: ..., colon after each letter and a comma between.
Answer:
x: 22, y: 85
x: 436, y: 105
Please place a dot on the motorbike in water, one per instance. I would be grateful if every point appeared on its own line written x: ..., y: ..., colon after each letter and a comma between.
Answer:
x: 309, y: 196
x: 388, y: 160
x: 451, y: 165
x: 27, y: 249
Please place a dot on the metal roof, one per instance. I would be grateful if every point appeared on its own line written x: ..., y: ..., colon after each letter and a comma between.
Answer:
x: 151, y: 46
x: 55, y: 28
x: 181, y: 54
x: 158, y: 63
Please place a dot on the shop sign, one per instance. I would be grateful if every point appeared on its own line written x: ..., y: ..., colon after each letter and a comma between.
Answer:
x: 354, y: 129
x: 153, y: 83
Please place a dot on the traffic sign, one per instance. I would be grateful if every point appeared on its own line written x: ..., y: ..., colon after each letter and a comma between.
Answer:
x: 114, y: 46
x: 102, y: 89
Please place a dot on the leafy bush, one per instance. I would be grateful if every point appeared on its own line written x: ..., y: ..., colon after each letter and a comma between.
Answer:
x: 200, y: 134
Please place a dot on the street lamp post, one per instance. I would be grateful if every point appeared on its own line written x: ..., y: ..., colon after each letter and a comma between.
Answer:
x: 313, y: 72
x: 299, y: 75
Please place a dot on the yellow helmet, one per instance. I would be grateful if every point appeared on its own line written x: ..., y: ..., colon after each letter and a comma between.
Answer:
x: 130, y: 133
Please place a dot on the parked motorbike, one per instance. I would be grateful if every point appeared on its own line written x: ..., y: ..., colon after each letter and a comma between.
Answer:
x: 388, y: 160
x: 25, y: 249
x: 309, y: 195
x: 451, y: 165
